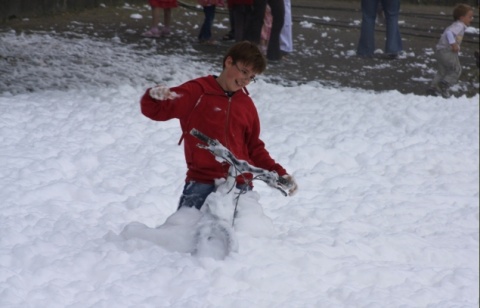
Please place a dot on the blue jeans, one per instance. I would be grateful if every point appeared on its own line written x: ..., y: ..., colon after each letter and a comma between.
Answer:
x: 206, y: 30
x: 194, y: 194
x: 366, y: 44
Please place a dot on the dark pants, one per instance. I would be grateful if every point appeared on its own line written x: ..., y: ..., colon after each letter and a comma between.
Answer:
x: 232, y: 22
x: 241, y: 14
x: 206, y: 30
x: 254, y: 27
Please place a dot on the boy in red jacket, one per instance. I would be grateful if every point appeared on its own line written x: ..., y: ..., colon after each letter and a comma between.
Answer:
x: 220, y: 107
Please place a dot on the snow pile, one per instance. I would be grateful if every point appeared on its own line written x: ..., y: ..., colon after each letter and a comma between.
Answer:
x: 386, y: 215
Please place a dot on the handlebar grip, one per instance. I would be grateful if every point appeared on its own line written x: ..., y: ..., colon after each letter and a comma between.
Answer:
x: 282, y: 181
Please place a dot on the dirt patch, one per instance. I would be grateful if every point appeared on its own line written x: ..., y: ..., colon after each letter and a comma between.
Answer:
x: 325, y: 38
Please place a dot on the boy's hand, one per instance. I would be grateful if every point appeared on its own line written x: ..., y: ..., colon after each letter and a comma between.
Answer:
x: 291, y: 185
x: 161, y: 92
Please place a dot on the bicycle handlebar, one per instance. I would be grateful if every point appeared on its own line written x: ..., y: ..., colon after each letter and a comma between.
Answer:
x: 271, y: 178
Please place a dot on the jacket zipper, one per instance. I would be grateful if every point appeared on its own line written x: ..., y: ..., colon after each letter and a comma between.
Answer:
x: 227, y: 123
x: 227, y: 145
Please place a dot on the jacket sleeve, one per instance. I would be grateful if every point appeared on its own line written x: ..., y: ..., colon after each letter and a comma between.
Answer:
x: 178, y: 107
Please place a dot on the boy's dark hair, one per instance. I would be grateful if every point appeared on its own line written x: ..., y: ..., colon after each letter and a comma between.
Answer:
x: 249, y: 54
x: 461, y: 10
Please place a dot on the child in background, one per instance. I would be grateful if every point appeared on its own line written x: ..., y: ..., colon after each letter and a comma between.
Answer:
x: 157, y: 7
x: 449, y: 68
x: 209, y: 7
x: 266, y: 29
x: 220, y: 107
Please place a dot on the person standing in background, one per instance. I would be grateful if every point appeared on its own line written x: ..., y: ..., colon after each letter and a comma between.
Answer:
x: 231, y: 34
x: 286, y: 39
x: 209, y: 7
x: 447, y: 49
x: 255, y: 23
x: 266, y: 29
x: 157, y: 7
x: 241, y: 13
x: 393, y: 43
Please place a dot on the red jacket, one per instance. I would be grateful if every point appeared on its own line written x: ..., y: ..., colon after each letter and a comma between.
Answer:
x: 202, y: 104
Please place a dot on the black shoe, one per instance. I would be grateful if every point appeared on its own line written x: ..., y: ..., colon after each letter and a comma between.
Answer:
x: 388, y: 56
x: 361, y: 56
x: 432, y: 91
x: 444, y: 89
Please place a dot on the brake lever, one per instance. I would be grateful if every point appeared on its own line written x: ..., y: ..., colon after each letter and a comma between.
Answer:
x: 275, y: 181
x: 283, y: 185
x: 284, y: 193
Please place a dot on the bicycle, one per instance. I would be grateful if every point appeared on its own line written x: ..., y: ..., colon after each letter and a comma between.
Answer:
x: 215, y: 235
x: 209, y: 232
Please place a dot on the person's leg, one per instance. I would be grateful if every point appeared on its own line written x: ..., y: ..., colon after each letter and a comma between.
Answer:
x: 266, y: 29
x: 449, y: 67
x: 366, y: 43
x: 434, y: 89
x: 167, y: 19
x: 393, y: 43
x: 194, y: 194
x: 232, y: 23
x: 154, y: 31
x: 231, y: 34
x: 454, y: 69
x: 156, y: 11
x: 209, y: 18
x: 439, y: 75
x: 253, y: 28
x: 449, y: 70
x: 286, y: 40
x: 205, y: 29
x: 239, y: 22
x: 278, y: 15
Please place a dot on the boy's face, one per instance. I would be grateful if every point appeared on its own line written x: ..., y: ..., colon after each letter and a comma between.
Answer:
x: 237, y: 75
x: 467, y: 18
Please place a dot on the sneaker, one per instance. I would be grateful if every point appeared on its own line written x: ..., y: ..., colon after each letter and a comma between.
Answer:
x: 153, y: 32
x: 444, y: 89
x: 386, y: 56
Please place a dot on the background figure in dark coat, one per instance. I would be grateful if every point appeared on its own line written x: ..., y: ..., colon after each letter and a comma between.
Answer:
x: 241, y: 13
x: 255, y: 23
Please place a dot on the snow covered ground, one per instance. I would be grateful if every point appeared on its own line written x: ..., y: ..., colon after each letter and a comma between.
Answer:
x: 387, y: 214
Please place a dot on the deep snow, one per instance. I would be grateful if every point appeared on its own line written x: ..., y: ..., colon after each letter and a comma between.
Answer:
x: 387, y: 212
